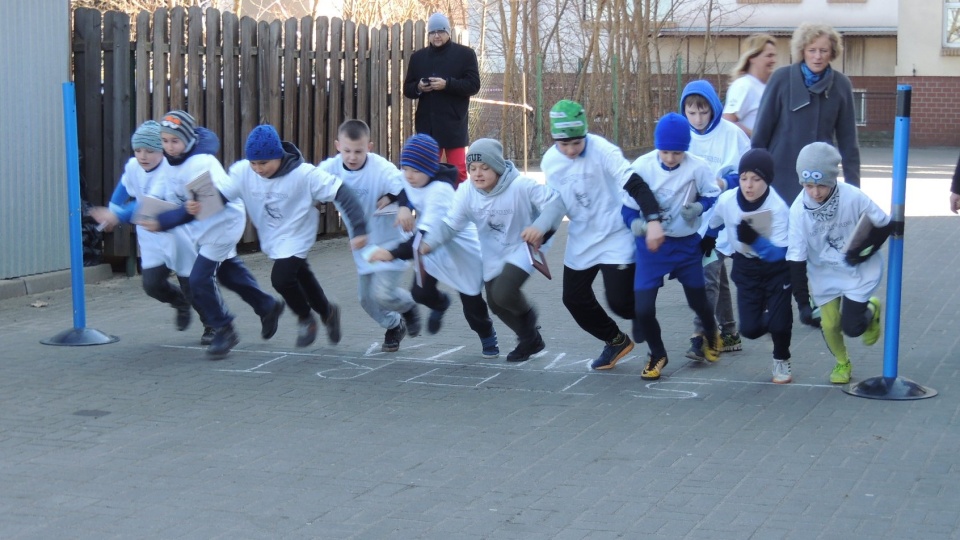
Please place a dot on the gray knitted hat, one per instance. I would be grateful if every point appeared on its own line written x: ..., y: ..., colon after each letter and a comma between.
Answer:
x: 487, y: 151
x: 818, y: 163
x: 147, y: 136
x: 438, y: 22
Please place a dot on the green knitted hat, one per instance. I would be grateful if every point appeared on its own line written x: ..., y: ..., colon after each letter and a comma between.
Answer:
x: 568, y: 120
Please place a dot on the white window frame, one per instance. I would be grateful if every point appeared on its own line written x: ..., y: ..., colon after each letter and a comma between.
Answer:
x: 860, y: 106
x: 949, y: 7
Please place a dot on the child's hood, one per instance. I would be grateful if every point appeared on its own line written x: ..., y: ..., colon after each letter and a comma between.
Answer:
x: 509, y: 174
x: 207, y: 143
x: 292, y: 158
x: 446, y: 173
x: 705, y: 89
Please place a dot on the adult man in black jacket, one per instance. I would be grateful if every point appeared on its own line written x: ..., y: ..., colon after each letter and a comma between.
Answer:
x: 442, y: 77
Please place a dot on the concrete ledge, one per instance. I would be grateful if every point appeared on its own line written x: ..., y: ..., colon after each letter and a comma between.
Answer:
x: 50, y: 281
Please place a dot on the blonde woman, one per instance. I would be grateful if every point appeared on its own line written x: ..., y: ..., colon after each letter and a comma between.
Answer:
x: 805, y: 102
x: 749, y: 79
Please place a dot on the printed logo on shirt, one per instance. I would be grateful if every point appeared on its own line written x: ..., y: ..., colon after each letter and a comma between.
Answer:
x: 276, y: 215
x: 583, y: 199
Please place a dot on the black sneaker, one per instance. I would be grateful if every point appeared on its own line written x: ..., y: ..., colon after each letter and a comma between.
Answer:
x: 695, y: 352
x: 270, y: 321
x: 526, y: 349
x: 435, y: 320
x: 183, y: 317
x: 332, y: 322
x: 306, y: 331
x: 207, y: 337
x: 412, y: 318
x: 613, y: 353
x: 226, y: 338
x: 391, y: 339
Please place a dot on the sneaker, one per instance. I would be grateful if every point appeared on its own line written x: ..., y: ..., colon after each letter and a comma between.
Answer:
x: 491, y: 348
x: 526, y: 349
x: 270, y: 321
x: 207, y: 337
x: 412, y: 318
x: 695, y: 352
x: 306, y: 331
x: 872, y: 334
x: 653, y: 368
x: 224, y: 340
x: 183, y: 317
x: 332, y: 322
x: 781, y: 371
x: 393, y: 336
x: 613, y: 353
x: 712, y: 348
x: 731, y: 342
x: 841, y: 373
x: 435, y: 320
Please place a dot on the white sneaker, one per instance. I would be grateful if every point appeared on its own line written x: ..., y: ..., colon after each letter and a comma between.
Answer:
x: 781, y: 371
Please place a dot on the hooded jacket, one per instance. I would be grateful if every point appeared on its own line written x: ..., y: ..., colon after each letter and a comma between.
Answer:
x: 792, y: 116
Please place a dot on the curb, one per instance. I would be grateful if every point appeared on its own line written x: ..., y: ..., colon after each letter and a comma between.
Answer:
x: 51, y: 281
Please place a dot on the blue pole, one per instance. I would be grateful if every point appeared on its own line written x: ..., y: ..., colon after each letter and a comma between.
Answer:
x: 901, y: 143
x: 73, y: 199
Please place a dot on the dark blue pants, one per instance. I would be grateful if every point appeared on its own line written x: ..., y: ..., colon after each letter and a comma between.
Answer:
x: 763, y: 301
x: 297, y: 284
x: 233, y: 275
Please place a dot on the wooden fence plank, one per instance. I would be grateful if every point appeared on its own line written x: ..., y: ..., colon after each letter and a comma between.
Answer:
x: 395, y: 96
x: 334, y: 106
x: 231, y: 136
x: 250, y: 91
x: 195, y: 63
x: 178, y: 59
x: 304, y: 89
x: 87, y: 67
x: 142, y: 76
x: 118, y: 112
x: 349, y: 69
x: 364, y: 64
x: 269, y: 35
x: 375, y: 90
x: 380, y: 99
x: 213, y: 94
x: 289, y: 91
x: 406, y: 113
x: 320, y: 93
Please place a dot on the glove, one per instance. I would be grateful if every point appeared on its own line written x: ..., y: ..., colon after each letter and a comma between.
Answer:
x: 806, y: 316
x: 708, y: 244
x: 868, y: 246
x: 638, y: 227
x: 746, y: 233
x: 690, y: 211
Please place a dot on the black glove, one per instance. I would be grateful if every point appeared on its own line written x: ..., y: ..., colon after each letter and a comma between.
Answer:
x: 806, y: 316
x: 708, y: 244
x: 856, y: 254
x: 746, y: 233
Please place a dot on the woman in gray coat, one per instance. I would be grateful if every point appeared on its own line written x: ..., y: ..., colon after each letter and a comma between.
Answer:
x: 808, y: 101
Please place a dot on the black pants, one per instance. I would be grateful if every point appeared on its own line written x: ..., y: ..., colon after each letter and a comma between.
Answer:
x: 295, y: 282
x: 474, y: 308
x: 763, y: 301
x: 506, y: 300
x: 646, y: 316
x: 157, y: 285
x: 581, y: 301
x: 855, y: 317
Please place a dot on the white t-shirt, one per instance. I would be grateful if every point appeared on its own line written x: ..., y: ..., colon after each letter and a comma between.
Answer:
x: 456, y: 263
x: 820, y: 237
x: 282, y: 209
x: 590, y: 186
x: 743, y: 99
x: 669, y: 188
x: 500, y: 219
x: 217, y: 235
x: 721, y: 149
x: 375, y: 179
x: 173, y: 248
x: 727, y: 212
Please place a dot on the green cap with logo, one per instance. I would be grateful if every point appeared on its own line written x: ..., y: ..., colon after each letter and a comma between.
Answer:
x: 568, y: 120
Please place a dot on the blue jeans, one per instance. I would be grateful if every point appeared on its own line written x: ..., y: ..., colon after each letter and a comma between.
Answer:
x: 233, y: 275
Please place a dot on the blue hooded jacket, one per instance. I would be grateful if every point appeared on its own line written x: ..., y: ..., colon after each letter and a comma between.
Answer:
x: 705, y: 89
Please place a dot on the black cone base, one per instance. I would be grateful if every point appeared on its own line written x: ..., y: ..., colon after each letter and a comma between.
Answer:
x: 894, y: 389
x: 76, y: 337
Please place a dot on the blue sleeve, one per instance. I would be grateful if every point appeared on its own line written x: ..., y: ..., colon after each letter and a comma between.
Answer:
x: 174, y: 218
x: 769, y: 252
x: 732, y: 179
x: 707, y: 202
x: 714, y: 232
x: 629, y: 214
x: 121, y: 204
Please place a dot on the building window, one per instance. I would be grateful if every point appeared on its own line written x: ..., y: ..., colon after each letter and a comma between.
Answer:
x: 951, y: 24
x: 860, y: 106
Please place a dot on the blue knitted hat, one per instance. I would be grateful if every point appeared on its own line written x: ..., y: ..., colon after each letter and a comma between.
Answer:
x: 181, y: 125
x: 147, y: 136
x: 422, y: 153
x: 672, y: 133
x: 263, y: 144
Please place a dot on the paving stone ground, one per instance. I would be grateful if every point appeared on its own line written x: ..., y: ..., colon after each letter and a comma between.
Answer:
x: 146, y: 438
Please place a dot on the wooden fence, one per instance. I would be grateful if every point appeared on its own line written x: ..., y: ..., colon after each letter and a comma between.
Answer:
x: 303, y: 76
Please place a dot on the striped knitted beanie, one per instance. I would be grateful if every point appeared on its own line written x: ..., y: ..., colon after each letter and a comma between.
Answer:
x: 422, y: 153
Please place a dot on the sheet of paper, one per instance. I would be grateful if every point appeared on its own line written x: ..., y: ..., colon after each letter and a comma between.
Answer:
x: 388, y: 210
x: 148, y: 208
x: 202, y: 190
x: 418, y: 270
